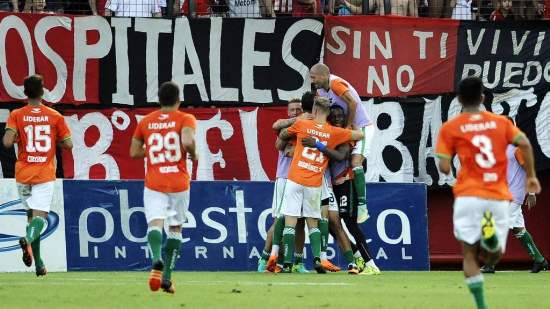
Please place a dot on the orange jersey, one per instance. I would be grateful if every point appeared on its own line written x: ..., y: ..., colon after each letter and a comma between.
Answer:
x: 39, y: 129
x: 166, y: 158
x: 480, y: 141
x: 309, y: 164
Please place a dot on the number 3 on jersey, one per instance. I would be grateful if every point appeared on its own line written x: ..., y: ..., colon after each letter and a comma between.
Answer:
x: 164, y: 148
x: 38, y: 138
x: 485, y: 158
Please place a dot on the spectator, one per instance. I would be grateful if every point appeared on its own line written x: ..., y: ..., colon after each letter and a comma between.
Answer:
x: 34, y: 6
x: 9, y: 5
x: 303, y: 8
x: 503, y: 11
x: 249, y: 8
x: 397, y: 7
x: 77, y: 7
x: 462, y: 9
x: 440, y: 8
x: 133, y: 8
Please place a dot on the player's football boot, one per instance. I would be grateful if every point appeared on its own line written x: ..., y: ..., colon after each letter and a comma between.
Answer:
x: 489, y: 239
x: 487, y: 269
x: 155, y: 277
x: 42, y: 271
x: 278, y: 268
x: 287, y: 269
x: 318, y: 267
x: 352, y: 269
x: 27, y: 251
x: 262, y: 265
x: 360, y: 262
x: 299, y: 268
x: 362, y: 213
x: 538, y: 266
x: 167, y: 286
x: 327, y: 265
x: 271, y: 264
x: 371, y: 271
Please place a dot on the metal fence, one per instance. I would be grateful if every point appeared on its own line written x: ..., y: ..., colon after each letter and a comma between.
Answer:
x: 494, y: 10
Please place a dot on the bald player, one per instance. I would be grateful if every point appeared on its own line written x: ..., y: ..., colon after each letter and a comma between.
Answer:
x: 342, y: 93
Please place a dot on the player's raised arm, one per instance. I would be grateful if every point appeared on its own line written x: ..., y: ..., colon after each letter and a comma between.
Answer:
x: 533, y: 185
x: 188, y: 142
x: 285, y: 134
x: 341, y: 152
x: 283, y: 123
x: 352, y: 106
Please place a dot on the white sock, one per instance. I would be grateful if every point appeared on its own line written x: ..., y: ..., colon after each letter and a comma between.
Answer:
x: 324, y: 256
x: 371, y: 263
x: 275, y: 250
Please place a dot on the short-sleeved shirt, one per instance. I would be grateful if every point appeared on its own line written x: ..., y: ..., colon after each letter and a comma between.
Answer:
x: 309, y: 164
x: 39, y: 129
x: 480, y: 140
x: 516, y: 174
x: 337, y: 88
x: 133, y: 8
x: 166, y: 158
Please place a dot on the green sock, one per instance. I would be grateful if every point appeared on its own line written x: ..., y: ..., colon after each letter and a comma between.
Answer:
x: 172, y: 251
x: 475, y: 284
x: 289, y: 235
x: 154, y: 238
x: 278, y: 231
x: 265, y: 255
x: 315, y: 240
x: 348, y: 255
x: 529, y: 244
x: 359, y: 184
x: 323, y: 228
x: 298, y: 258
x: 35, y: 228
x: 490, y: 244
x: 38, y: 263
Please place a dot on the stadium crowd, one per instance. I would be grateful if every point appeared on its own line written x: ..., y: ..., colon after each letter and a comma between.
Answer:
x: 484, y: 10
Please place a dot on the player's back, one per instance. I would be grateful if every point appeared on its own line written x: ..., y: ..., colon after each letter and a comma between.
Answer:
x: 480, y: 140
x: 39, y: 130
x: 308, y: 164
x: 166, y: 158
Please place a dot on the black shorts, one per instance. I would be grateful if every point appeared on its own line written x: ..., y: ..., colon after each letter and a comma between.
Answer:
x: 346, y: 198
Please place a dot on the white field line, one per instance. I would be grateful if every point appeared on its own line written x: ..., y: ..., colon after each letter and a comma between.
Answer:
x: 114, y: 281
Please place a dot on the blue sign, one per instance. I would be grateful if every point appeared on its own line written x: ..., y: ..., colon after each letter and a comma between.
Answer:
x: 226, y: 228
x: 14, y: 209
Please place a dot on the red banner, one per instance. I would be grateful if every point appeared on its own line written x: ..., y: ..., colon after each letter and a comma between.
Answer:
x: 392, y: 57
x: 233, y: 143
x: 63, y: 49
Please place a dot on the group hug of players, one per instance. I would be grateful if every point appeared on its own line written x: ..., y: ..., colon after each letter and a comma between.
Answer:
x: 320, y: 178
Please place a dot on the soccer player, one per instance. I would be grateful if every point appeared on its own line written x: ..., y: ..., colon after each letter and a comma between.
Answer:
x: 37, y: 130
x: 165, y: 137
x: 303, y: 187
x: 340, y: 167
x: 341, y: 93
x: 482, y: 198
x: 516, y: 183
x: 274, y: 234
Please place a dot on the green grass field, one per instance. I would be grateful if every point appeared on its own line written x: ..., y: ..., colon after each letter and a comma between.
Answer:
x: 129, y: 290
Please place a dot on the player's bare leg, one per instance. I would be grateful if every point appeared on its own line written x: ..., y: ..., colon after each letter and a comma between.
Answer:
x: 324, y: 229
x: 315, y: 241
x: 343, y: 241
x: 154, y: 239
x: 472, y: 274
x: 172, y: 250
